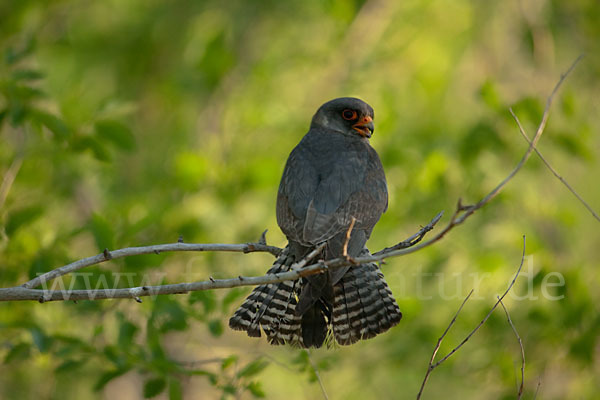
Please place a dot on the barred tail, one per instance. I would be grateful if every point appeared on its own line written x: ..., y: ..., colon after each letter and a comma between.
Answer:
x: 363, y: 305
x: 272, y: 307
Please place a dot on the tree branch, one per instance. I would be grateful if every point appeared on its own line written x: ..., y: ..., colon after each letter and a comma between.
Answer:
x: 9, y: 178
x: 520, y: 391
x: 439, y: 343
x: 297, y: 271
x: 156, y: 249
x: 412, y: 244
x: 433, y: 365
x: 316, y: 371
x: 463, y: 212
x: 556, y: 174
x: 414, y: 239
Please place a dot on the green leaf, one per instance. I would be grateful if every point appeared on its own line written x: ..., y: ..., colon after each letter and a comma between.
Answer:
x: 206, y: 297
x: 529, y: 109
x: 253, y: 368
x: 301, y: 360
x: 228, y: 361
x: 154, y: 387
x: 17, y: 113
x: 54, y: 124
x: 27, y: 74
x: 175, y: 391
x: 231, y: 296
x: 191, y: 169
x: 21, y: 218
x: 167, y: 315
x: 116, y: 133
x: 40, y: 339
x: 109, y: 376
x: 483, y: 136
x: 573, y: 144
x: 490, y: 96
x: 91, y: 143
x: 43, y: 262
x: 13, y: 55
x: 3, y: 114
x: 127, y: 332
x: 215, y: 327
x: 102, y: 231
x: 21, y: 351
x: 113, y: 355
x: 256, y: 389
x: 217, y: 59
x: 213, y: 378
x: 229, y: 389
x: 68, y: 366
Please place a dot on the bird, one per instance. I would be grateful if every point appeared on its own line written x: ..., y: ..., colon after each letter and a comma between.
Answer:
x: 333, y: 185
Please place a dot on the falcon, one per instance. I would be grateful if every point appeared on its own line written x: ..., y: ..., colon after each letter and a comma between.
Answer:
x: 333, y: 179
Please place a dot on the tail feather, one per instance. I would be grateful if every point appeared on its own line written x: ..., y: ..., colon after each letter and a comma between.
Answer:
x: 272, y: 307
x: 363, y: 307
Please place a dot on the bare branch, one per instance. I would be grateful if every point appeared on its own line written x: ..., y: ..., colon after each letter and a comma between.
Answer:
x: 414, y: 239
x: 537, y: 389
x: 410, y: 245
x: 26, y: 291
x: 439, y: 343
x: 556, y: 174
x: 347, y: 240
x: 463, y: 212
x: 9, y: 178
x: 520, y: 392
x: 300, y: 264
x: 316, y: 371
x: 156, y: 249
x: 41, y: 295
x: 263, y: 237
x: 433, y: 365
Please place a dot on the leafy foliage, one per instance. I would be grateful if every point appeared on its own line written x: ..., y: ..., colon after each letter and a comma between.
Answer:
x: 132, y: 123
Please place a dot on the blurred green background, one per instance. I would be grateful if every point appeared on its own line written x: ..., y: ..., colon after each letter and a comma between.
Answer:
x: 132, y: 122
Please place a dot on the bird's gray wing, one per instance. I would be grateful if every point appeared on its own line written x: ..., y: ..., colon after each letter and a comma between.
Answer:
x: 355, y: 188
x: 326, y: 182
x: 296, y: 190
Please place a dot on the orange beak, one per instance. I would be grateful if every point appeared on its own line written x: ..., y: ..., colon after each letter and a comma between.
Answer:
x: 364, y: 127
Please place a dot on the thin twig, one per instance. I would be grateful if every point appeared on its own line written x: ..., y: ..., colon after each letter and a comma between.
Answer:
x: 414, y: 239
x: 463, y: 212
x: 347, y: 240
x: 299, y: 269
x: 316, y: 371
x: 554, y: 172
x: 157, y: 249
x: 431, y: 365
x: 309, y: 257
x: 439, y: 343
x: 9, y: 178
x: 520, y: 392
x: 537, y: 389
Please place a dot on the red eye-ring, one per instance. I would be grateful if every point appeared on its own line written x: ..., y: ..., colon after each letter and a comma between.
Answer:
x: 349, y: 114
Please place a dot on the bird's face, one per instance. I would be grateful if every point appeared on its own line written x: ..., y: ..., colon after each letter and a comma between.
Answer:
x: 347, y: 115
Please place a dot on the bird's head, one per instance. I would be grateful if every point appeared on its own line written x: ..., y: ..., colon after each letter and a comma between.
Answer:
x: 347, y: 115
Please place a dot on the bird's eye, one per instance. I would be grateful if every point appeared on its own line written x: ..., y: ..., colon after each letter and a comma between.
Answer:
x: 349, y: 114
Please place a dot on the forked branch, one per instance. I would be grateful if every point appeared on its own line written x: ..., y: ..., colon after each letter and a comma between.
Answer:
x: 433, y: 365
x: 410, y: 245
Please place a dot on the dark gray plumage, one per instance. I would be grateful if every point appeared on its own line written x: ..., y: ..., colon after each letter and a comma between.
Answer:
x: 331, y: 176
